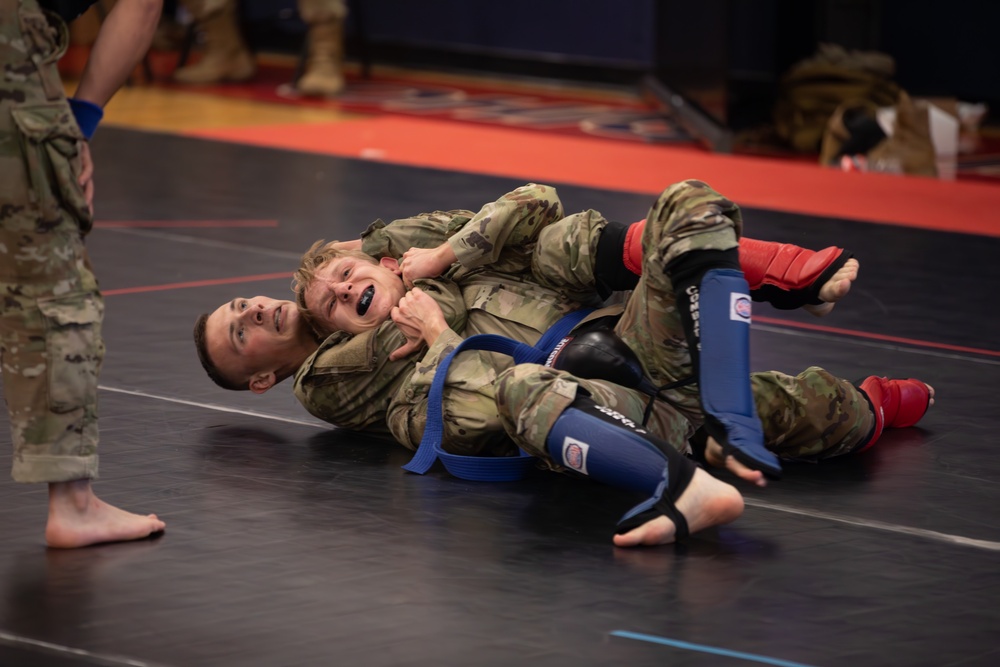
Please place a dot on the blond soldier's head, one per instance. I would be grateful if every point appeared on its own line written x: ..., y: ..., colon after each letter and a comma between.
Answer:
x: 346, y: 290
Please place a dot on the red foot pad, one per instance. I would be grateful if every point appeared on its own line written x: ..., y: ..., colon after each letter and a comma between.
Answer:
x: 786, y: 275
x: 897, y: 403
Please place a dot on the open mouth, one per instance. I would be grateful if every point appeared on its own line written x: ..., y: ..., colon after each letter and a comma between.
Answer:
x: 277, y: 318
x: 365, y: 302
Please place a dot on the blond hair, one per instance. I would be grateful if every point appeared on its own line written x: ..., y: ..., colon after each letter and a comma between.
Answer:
x: 319, y: 255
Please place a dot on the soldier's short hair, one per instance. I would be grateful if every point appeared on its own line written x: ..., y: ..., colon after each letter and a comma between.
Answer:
x: 319, y: 255
x: 201, y: 344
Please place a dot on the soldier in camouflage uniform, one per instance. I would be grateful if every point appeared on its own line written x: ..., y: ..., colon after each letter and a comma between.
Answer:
x: 491, y: 289
x: 50, y: 324
x: 520, y: 267
x: 516, y: 267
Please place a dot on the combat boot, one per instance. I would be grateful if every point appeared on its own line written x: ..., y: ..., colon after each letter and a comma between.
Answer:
x: 324, y: 75
x: 226, y: 56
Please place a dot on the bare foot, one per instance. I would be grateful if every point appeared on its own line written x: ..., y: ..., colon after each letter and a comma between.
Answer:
x: 715, y: 458
x: 78, y: 518
x: 705, y: 502
x: 836, y: 288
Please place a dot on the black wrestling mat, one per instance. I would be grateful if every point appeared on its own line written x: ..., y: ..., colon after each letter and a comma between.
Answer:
x: 292, y: 544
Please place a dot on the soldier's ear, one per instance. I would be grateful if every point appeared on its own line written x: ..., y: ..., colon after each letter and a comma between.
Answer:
x: 392, y: 264
x: 262, y: 381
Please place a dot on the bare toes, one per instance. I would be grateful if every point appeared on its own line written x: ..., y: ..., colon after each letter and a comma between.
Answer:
x: 655, y: 531
x: 745, y: 473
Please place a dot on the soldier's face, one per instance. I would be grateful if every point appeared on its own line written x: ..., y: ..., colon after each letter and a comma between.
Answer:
x: 248, y: 335
x: 354, y: 295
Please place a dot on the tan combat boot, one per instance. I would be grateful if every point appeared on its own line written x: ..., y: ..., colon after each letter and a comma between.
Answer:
x: 226, y: 57
x: 324, y: 74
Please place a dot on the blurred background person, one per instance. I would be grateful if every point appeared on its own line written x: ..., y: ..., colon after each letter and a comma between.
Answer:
x: 227, y: 57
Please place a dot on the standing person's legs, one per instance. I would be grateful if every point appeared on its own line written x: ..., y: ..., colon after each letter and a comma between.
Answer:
x: 324, y: 71
x: 50, y: 321
x: 227, y: 56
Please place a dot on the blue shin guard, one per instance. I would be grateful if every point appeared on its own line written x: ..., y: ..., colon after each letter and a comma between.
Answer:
x: 600, y: 443
x: 715, y: 307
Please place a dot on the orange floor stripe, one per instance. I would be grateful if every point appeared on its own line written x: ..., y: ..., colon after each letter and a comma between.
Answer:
x: 534, y: 156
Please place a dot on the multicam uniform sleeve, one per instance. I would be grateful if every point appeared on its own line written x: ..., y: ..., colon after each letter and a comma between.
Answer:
x: 427, y: 230
x: 566, y: 254
x: 503, y: 232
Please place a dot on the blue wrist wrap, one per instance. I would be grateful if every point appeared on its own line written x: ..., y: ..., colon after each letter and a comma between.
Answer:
x: 87, y: 115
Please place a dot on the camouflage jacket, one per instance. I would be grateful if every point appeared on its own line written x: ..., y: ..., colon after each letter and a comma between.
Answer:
x: 351, y: 383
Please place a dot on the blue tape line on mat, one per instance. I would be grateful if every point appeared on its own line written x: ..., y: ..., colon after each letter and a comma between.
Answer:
x: 706, y: 649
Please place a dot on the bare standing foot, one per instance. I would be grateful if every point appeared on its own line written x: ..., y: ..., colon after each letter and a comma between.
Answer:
x: 78, y: 518
x: 836, y: 288
x: 704, y: 503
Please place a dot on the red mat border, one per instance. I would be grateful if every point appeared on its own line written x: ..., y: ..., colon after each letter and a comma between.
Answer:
x: 526, y: 155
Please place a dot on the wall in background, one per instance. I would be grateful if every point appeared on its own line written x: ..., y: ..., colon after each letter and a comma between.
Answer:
x: 738, y: 49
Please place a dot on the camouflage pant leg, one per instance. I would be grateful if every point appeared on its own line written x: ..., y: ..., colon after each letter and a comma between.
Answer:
x: 530, y: 398
x: 810, y: 416
x: 687, y: 216
x: 50, y: 338
x: 564, y: 256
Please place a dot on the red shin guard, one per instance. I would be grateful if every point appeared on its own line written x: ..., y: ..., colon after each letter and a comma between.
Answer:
x: 896, y: 403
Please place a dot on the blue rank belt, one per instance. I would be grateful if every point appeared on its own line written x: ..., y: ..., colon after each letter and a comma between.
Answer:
x: 484, y: 468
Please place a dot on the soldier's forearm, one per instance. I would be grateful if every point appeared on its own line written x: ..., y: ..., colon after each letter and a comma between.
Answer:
x: 124, y: 38
x: 512, y: 221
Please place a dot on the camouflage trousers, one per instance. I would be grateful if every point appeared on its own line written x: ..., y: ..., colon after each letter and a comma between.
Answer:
x: 813, y: 415
x: 50, y: 324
